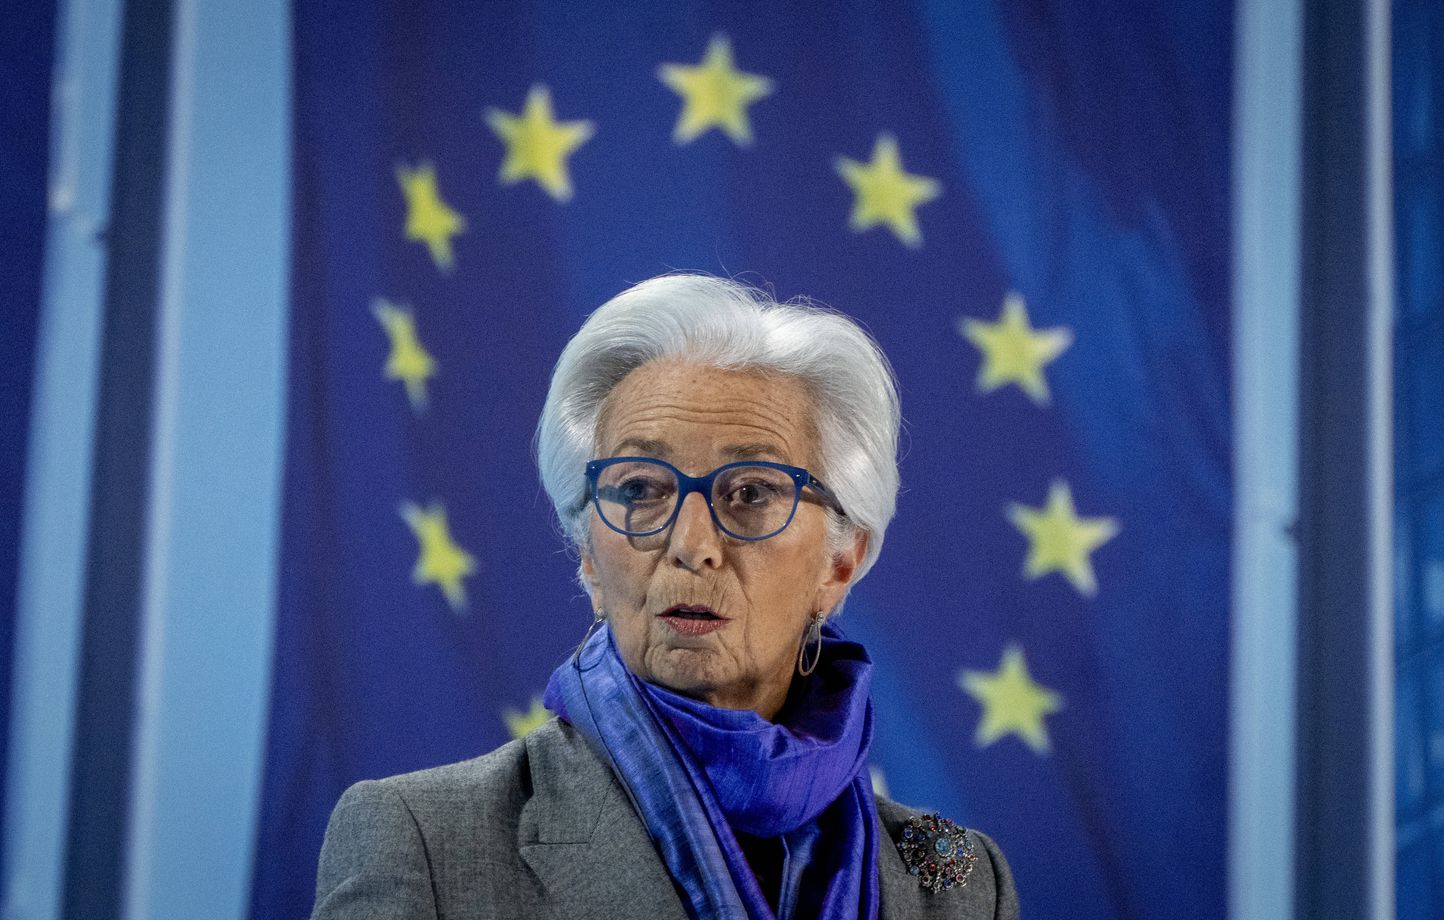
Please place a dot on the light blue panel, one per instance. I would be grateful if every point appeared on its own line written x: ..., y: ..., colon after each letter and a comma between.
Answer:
x: 217, y: 457
x: 1380, y: 261
x: 1266, y: 207
x: 56, y: 509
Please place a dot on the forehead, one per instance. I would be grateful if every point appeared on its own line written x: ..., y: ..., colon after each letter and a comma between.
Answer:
x: 708, y: 415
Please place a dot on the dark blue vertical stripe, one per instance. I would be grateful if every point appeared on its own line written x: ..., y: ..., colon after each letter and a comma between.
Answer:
x: 1334, y: 610
x: 1418, y: 153
x: 27, y: 46
x: 105, y: 713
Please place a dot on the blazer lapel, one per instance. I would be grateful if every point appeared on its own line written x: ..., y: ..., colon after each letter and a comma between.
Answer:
x: 588, y: 848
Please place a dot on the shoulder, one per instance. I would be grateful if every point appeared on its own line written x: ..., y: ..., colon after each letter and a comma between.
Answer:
x: 989, y: 891
x: 495, y: 788
x: 421, y: 843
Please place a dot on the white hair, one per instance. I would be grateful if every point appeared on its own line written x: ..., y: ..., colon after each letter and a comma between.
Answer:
x: 725, y: 324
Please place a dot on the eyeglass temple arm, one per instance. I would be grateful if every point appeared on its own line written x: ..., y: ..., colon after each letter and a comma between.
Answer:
x: 827, y: 494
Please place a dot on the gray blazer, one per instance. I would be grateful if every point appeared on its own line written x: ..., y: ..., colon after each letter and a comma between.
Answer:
x: 541, y: 828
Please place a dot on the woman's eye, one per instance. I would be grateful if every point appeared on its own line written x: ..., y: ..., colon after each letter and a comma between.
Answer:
x: 634, y: 491
x: 752, y: 493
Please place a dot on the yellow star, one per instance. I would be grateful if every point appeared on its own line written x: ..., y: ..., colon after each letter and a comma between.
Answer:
x: 408, y: 362
x: 428, y: 219
x: 1012, y: 703
x: 1013, y: 351
x: 714, y: 94
x: 440, y: 561
x: 537, y: 145
x: 1060, y: 540
x: 520, y: 723
x: 885, y: 194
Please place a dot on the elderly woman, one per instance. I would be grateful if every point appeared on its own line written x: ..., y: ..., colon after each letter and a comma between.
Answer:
x: 726, y: 467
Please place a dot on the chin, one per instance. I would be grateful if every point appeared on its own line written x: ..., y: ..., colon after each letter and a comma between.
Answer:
x: 690, y: 671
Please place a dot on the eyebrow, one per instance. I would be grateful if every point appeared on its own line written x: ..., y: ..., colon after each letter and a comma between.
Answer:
x: 644, y: 446
x: 662, y: 450
x: 753, y: 451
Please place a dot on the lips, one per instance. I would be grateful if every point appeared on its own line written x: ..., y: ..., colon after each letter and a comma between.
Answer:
x: 692, y: 619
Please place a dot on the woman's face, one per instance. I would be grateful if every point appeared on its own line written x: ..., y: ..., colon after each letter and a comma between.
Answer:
x: 762, y: 593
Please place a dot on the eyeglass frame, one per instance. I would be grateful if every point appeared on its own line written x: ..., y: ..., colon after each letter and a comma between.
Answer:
x: 686, y: 485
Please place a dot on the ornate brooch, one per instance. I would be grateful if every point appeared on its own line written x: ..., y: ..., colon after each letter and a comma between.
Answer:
x: 937, y: 851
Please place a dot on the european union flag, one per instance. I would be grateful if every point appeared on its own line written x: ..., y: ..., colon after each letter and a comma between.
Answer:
x: 1025, y: 202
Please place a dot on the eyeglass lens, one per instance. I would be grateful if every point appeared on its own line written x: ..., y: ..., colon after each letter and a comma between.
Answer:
x: 750, y: 501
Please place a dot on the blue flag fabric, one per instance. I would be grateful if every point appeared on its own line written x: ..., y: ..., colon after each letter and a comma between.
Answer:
x: 1025, y: 202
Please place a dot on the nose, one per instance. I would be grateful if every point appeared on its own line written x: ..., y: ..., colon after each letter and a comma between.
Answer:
x: 695, y: 542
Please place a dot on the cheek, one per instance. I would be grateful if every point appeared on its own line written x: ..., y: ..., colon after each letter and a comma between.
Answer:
x: 609, y: 564
x: 796, y: 573
x: 790, y: 598
x: 617, y: 593
x: 621, y: 575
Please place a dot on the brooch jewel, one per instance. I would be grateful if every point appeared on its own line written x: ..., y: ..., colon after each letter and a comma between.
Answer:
x: 937, y: 852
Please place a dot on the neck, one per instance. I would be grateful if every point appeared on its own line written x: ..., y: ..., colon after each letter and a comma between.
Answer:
x: 766, y: 701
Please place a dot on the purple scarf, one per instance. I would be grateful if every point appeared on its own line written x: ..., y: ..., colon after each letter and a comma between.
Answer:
x: 697, y: 774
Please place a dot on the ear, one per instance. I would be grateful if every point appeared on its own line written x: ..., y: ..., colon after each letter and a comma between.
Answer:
x: 838, y: 572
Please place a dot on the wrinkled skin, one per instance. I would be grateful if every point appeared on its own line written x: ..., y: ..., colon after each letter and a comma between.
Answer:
x: 698, y: 418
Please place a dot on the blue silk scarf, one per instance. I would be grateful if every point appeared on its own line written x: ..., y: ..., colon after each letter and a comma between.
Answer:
x: 697, y: 775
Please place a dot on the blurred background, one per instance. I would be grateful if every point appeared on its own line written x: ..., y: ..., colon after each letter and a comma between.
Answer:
x: 283, y: 281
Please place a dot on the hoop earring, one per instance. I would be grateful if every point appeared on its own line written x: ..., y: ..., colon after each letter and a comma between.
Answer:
x: 811, y: 637
x: 587, y: 637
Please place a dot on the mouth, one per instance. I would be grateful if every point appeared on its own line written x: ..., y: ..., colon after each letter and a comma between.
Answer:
x: 692, y: 619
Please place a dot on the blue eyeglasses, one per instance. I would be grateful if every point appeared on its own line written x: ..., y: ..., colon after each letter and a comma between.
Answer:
x: 749, y: 500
